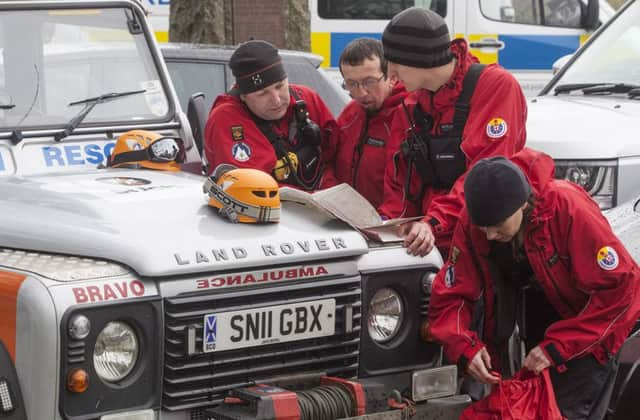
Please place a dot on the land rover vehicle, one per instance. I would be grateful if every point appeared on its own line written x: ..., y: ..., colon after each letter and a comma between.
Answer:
x: 586, y: 118
x: 123, y: 295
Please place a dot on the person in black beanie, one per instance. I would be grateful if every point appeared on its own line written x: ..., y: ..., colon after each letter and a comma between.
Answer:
x: 268, y: 124
x: 459, y: 112
x: 536, y: 258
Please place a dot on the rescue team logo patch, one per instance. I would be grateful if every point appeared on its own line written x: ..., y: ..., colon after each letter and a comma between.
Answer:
x: 449, y: 276
x: 607, y: 258
x: 497, y: 128
x: 237, y: 132
x: 241, y: 152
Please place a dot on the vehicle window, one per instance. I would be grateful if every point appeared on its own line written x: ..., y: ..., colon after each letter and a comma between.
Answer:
x: 374, y: 9
x: 303, y: 73
x: 565, y: 13
x: 192, y: 77
x: 612, y: 57
x: 72, y: 55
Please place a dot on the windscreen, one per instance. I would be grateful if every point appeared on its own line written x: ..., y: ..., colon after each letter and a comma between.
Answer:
x: 50, y: 59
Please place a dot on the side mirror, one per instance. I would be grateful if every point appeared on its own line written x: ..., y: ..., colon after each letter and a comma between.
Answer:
x: 197, y: 116
x: 591, y: 16
x: 560, y: 62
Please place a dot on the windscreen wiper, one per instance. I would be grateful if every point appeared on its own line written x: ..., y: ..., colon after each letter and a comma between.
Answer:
x: 7, y: 106
x: 570, y: 87
x: 634, y: 93
x: 89, y: 104
x: 610, y: 88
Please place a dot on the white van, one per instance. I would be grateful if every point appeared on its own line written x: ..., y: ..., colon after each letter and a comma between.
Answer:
x: 587, y: 117
x: 524, y: 36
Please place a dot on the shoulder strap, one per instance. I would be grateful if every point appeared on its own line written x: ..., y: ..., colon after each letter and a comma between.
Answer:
x: 463, y: 104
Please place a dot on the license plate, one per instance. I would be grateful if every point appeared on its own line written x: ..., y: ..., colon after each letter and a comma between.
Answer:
x: 269, y: 325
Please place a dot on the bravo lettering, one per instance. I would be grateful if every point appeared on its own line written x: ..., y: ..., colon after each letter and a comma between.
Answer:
x: 108, y: 291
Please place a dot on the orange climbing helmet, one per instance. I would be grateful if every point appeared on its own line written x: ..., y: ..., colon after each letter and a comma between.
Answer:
x: 244, y: 195
x: 146, y: 149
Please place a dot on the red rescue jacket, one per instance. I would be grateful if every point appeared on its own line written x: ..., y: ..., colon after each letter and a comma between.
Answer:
x: 369, y: 134
x: 582, y: 267
x: 497, y: 96
x: 232, y: 136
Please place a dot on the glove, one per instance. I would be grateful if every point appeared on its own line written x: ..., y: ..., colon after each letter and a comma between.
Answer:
x: 282, y: 170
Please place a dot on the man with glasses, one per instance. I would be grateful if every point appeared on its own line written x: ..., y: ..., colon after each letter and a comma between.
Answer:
x: 459, y: 112
x: 265, y: 123
x: 366, y: 121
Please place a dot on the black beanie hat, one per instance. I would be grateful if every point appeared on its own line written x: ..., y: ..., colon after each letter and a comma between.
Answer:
x: 417, y: 37
x: 256, y: 65
x: 493, y: 190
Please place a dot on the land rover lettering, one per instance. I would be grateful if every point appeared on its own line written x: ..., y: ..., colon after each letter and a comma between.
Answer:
x: 273, y: 324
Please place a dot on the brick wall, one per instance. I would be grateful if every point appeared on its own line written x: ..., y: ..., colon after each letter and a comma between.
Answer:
x: 260, y: 19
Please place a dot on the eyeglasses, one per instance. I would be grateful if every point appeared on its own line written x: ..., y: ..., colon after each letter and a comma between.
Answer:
x: 164, y: 149
x: 366, y: 84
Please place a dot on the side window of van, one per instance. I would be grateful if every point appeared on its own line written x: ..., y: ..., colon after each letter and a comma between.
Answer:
x: 374, y: 9
x: 563, y: 13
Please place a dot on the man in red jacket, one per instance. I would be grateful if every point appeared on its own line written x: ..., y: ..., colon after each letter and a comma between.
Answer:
x: 265, y: 123
x: 535, y: 252
x: 459, y: 112
x: 365, y: 123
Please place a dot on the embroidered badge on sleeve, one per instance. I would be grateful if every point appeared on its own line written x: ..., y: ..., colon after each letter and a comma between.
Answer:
x: 450, y: 276
x: 497, y: 128
x: 607, y: 258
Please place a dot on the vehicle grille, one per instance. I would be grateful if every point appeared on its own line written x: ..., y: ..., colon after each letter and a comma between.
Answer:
x: 203, y: 379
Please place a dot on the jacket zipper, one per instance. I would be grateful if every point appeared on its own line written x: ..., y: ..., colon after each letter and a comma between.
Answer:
x: 359, y: 150
x: 545, y: 265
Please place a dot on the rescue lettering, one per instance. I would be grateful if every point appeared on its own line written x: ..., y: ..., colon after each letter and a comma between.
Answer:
x: 108, y: 291
x: 232, y: 280
x: 75, y: 154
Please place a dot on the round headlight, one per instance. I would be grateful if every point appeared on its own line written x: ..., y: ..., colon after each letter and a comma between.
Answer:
x: 385, y: 315
x: 115, y: 352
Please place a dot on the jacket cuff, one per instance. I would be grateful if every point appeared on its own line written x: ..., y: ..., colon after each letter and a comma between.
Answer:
x: 553, y: 355
x: 467, y: 355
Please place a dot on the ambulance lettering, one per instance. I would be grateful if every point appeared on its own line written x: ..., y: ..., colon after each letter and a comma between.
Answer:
x: 108, y: 291
x: 232, y: 280
x: 76, y: 154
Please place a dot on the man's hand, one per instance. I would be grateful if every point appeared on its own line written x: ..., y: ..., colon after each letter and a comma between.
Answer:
x: 536, y: 361
x: 480, y: 368
x: 418, y: 237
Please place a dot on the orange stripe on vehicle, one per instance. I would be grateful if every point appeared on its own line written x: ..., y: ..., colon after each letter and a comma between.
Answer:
x: 9, y: 286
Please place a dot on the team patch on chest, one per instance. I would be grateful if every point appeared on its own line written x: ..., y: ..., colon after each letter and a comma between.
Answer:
x: 237, y: 132
x: 241, y: 152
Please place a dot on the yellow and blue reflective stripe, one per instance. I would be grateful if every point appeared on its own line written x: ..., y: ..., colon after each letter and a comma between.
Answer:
x: 520, y: 52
